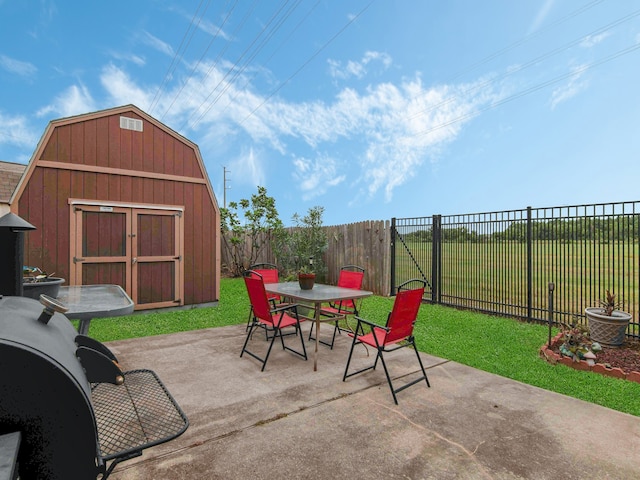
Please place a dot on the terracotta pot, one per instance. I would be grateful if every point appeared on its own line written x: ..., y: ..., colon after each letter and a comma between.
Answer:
x: 306, y: 280
x: 607, y: 330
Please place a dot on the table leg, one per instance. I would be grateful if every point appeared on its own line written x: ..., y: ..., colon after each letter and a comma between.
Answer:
x: 317, y: 320
x: 83, y: 326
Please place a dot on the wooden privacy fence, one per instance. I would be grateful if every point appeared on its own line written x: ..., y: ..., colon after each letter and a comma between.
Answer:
x: 366, y: 244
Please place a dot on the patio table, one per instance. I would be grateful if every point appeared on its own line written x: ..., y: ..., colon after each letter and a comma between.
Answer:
x: 318, y: 295
x: 86, y: 302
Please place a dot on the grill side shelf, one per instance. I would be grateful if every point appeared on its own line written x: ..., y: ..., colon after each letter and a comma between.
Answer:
x: 136, y: 415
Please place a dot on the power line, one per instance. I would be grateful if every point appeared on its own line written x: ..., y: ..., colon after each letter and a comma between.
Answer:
x: 525, y: 39
x: 263, y: 43
x: 285, y: 40
x: 266, y: 36
x: 530, y: 90
x: 530, y: 63
x: 238, y: 71
x: 217, y: 59
x: 175, y: 61
x: 317, y: 52
x: 195, y: 67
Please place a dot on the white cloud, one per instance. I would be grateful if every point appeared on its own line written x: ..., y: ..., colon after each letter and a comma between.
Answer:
x: 248, y: 169
x: 391, y: 129
x: 591, y: 40
x: 48, y: 10
x: 201, y: 23
x: 357, y: 69
x: 121, y: 89
x: 11, y: 65
x: 75, y: 100
x: 541, y: 16
x: 157, y: 44
x: 129, y: 57
x: 212, y: 29
x: 47, y: 13
x: 572, y: 88
x: 210, y: 98
x: 315, y: 177
x: 14, y: 130
x: 399, y: 126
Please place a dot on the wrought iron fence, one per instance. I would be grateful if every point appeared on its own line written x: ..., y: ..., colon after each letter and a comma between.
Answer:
x: 504, y: 262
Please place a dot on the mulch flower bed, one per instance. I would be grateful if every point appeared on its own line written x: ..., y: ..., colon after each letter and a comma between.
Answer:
x: 621, y: 362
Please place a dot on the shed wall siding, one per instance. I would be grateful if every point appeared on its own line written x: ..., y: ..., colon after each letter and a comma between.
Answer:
x: 100, y: 142
x: 104, y: 144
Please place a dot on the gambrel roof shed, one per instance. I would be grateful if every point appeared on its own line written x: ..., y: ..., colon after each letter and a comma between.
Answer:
x: 117, y: 197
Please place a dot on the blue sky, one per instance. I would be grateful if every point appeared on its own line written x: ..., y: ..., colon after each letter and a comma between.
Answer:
x: 371, y: 109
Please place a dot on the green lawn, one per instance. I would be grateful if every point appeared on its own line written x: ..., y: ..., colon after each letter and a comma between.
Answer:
x: 498, y: 345
x: 495, y: 272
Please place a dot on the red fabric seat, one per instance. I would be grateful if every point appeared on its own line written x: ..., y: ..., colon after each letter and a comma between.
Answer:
x: 276, y: 319
x: 347, y: 279
x: 269, y: 274
x: 396, y: 334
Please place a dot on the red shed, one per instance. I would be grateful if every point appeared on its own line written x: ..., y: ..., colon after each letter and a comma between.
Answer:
x: 119, y: 198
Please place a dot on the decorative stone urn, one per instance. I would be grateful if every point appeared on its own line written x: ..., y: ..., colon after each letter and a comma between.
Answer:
x: 608, y: 330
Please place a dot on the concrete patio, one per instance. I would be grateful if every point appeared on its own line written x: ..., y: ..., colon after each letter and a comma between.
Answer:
x: 292, y: 422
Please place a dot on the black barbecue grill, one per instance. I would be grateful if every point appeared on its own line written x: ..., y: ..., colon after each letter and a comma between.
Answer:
x: 65, y: 403
x: 68, y: 397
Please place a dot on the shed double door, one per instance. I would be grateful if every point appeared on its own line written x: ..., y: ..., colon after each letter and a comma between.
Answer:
x: 139, y: 249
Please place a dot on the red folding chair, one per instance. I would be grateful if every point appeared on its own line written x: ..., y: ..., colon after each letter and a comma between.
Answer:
x: 397, y: 333
x: 263, y: 314
x: 269, y: 274
x: 351, y: 276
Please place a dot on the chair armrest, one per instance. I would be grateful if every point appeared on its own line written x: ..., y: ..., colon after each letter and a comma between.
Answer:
x: 329, y: 313
x: 288, y: 306
x: 371, y: 324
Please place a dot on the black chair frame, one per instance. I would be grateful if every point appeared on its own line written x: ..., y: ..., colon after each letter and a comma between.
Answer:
x: 253, y: 268
x: 409, y: 341
x: 277, y: 332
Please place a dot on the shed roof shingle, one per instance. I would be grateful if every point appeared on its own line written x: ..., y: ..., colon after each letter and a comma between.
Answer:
x: 10, y: 174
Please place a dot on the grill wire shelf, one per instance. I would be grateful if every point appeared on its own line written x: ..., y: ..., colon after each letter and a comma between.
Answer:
x: 134, y: 416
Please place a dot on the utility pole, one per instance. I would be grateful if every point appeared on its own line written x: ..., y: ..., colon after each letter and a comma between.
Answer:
x: 224, y: 177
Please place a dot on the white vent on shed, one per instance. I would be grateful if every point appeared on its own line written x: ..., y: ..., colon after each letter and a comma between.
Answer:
x: 131, y: 124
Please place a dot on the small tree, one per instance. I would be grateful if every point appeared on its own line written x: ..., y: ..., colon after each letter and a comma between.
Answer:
x: 306, y: 240
x: 248, y: 226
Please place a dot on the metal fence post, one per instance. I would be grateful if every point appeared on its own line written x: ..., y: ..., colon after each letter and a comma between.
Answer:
x: 393, y: 256
x: 436, y: 259
x: 529, y: 266
x: 551, y: 288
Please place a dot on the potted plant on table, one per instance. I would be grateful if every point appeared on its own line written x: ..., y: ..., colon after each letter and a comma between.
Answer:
x: 607, y: 323
x: 35, y: 282
x: 306, y: 276
x: 303, y: 249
